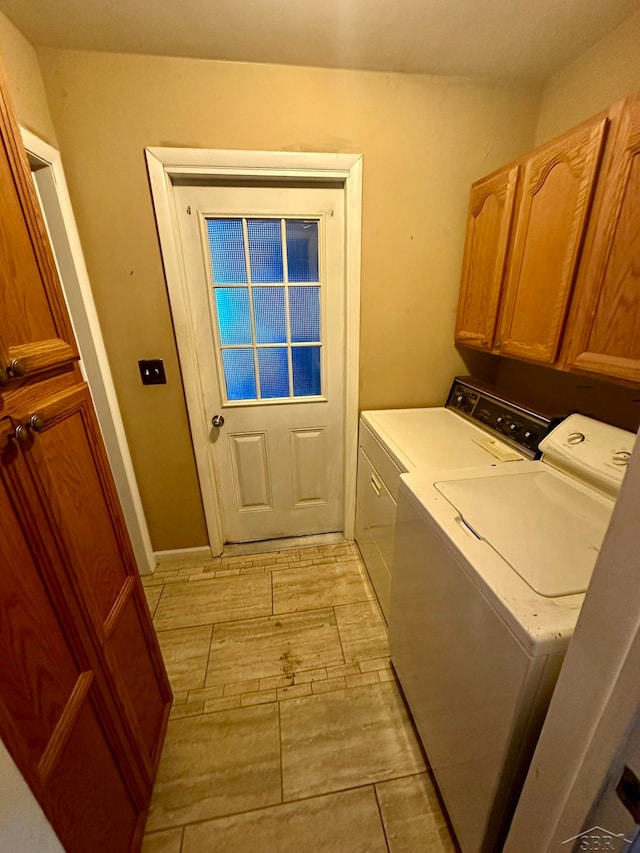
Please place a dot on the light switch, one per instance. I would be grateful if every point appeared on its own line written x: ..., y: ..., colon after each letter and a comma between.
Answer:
x: 152, y: 371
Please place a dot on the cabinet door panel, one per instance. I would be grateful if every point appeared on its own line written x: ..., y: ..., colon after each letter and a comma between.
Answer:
x: 488, y: 230
x: 35, y: 326
x: 51, y: 711
x: 68, y: 464
x: 605, y: 332
x: 39, y: 671
x: 556, y: 197
x: 101, y: 814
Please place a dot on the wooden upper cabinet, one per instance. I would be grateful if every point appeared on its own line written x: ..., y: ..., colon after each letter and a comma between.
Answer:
x: 555, y: 200
x: 604, y: 332
x: 35, y: 332
x: 488, y: 230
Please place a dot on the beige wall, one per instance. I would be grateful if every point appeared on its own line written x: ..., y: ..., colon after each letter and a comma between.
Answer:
x: 424, y: 139
x: 25, y: 81
x: 604, y: 74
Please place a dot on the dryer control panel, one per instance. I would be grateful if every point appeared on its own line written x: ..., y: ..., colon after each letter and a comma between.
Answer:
x: 514, y: 424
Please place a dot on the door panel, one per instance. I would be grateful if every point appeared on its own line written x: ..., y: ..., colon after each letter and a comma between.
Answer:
x: 265, y: 275
x: 101, y: 815
x: 309, y: 464
x: 71, y: 473
x: 605, y: 330
x: 51, y: 711
x: 488, y: 230
x: 251, y: 471
x: 39, y: 671
x: 35, y: 328
x: 556, y: 197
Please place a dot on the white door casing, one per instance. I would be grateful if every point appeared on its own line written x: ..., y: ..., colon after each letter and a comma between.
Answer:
x: 166, y: 165
x: 278, y: 461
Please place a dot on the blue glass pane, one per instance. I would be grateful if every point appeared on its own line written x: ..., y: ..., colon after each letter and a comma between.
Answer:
x: 274, y: 372
x: 304, y: 312
x: 265, y: 250
x: 234, y: 319
x: 239, y: 374
x: 270, y: 315
x: 302, y: 250
x: 306, y: 371
x: 226, y: 248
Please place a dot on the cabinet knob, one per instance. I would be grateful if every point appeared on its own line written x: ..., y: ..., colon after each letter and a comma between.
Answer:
x: 217, y: 421
x: 17, y: 367
x: 22, y: 433
x: 37, y: 423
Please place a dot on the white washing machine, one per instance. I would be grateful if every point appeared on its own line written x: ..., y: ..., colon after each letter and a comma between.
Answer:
x: 476, y: 427
x: 490, y: 570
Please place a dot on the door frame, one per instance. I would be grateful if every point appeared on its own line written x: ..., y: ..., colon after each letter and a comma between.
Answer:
x: 51, y: 188
x: 164, y: 165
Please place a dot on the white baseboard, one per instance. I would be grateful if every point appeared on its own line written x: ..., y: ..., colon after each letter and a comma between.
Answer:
x: 201, y: 553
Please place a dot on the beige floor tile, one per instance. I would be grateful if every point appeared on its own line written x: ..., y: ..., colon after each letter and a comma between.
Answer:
x: 186, y: 653
x: 363, y: 631
x: 169, y: 841
x: 273, y: 646
x: 216, y: 600
x: 351, y: 737
x: 217, y: 764
x: 412, y: 816
x: 320, y: 586
x: 153, y: 594
x: 348, y: 822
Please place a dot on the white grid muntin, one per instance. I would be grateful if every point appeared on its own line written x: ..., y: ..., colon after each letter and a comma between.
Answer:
x: 212, y: 286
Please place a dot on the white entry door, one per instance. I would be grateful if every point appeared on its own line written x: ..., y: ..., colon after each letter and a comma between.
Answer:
x: 265, y: 275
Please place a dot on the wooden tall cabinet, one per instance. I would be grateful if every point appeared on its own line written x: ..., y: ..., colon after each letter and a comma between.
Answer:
x: 604, y: 330
x: 488, y: 231
x: 84, y: 696
x: 557, y: 188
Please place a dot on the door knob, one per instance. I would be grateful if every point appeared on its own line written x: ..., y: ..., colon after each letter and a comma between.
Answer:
x: 217, y: 420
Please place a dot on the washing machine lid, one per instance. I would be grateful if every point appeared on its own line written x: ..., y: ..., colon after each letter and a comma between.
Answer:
x: 546, y: 528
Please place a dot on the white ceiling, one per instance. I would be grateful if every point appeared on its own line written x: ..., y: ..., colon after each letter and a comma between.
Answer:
x: 498, y: 38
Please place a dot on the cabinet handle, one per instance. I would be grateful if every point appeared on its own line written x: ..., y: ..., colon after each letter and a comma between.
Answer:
x: 16, y: 368
x: 376, y: 485
x: 22, y: 433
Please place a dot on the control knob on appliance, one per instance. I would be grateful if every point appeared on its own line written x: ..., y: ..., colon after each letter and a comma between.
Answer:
x: 515, y: 427
x: 499, y: 420
x: 621, y: 457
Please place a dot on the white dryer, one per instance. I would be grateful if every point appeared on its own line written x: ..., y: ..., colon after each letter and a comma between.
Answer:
x: 490, y: 570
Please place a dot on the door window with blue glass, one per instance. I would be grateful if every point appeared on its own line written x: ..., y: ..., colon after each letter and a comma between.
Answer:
x: 266, y: 277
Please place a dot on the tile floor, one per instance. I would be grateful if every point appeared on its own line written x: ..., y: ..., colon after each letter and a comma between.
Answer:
x: 288, y: 730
